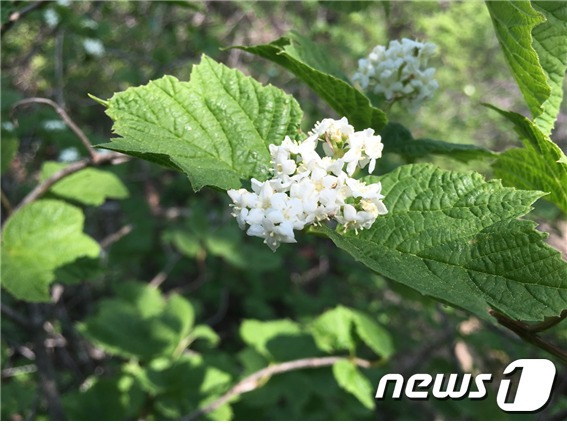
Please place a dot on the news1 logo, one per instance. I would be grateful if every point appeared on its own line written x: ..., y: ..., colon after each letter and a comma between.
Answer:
x: 533, y: 390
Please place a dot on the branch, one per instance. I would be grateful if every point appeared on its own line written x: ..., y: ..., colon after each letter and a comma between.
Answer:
x: 255, y: 380
x: 61, y: 112
x: 313, y: 273
x: 15, y: 316
x: 163, y: 275
x: 59, y: 68
x: 16, y: 16
x: 528, y: 334
x: 46, y: 372
x: 6, y: 203
x: 95, y: 157
x: 548, y: 323
x: 116, y: 236
x: 18, y: 370
x: 43, y: 187
x: 222, y: 310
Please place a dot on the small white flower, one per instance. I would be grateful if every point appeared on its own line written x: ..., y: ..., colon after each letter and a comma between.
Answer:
x: 335, y: 129
x: 89, y: 23
x: 372, y: 149
x: 308, y: 189
x: 51, y: 18
x: 241, y: 218
x: 69, y: 154
x: 255, y: 216
x: 8, y: 126
x: 306, y: 150
x: 93, y: 47
x: 399, y: 72
x: 54, y: 125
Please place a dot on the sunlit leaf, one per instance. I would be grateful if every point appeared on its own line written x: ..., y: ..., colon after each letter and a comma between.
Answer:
x: 216, y: 128
x: 89, y: 186
x: 532, y: 36
x: 38, y: 239
x: 539, y: 165
x: 352, y: 381
x: 140, y: 323
x: 456, y: 237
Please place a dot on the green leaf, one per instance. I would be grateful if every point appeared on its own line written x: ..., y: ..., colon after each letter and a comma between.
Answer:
x: 89, y: 186
x: 18, y: 395
x: 154, y: 327
x: 398, y: 139
x: 206, y: 333
x: 304, y: 59
x: 549, y: 43
x: 222, y: 413
x: 257, y: 334
x: 227, y: 242
x: 80, y: 270
x: 540, y: 165
x: 109, y: 399
x: 180, y: 315
x: 230, y: 243
x: 455, y: 237
x: 532, y: 36
x: 251, y: 361
x: 36, y: 240
x: 146, y: 299
x: 186, y: 242
x: 181, y: 386
x: 334, y: 331
x: 189, y: 237
x: 352, y: 381
x: 513, y: 23
x: 373, y: 335
x: 216, y: 128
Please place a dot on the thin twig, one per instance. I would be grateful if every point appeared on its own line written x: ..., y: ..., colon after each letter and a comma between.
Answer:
x: 525, y: 332
x: 116, y: 236
x: 59, y: 68
x: 18, y: 370
x: 222, y: 310
x: 162, y: 275
x: 313, y: 273
x: 44, y: 186
x: 255, y: 380
x: 548, y: 323
x: 95, y: 157
x: 197, y: 282
x: 6, y: 203
x: 45, y: 369
x: 14, y: 316
x: 17, y: 15
x: 61, y: 112
x: 74, y: 341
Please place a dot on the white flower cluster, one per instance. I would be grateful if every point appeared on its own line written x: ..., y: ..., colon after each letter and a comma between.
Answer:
x: 399, y: 72
x: 308, y: 188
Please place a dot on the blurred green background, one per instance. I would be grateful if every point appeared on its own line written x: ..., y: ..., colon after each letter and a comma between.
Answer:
x: 117, y: 345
